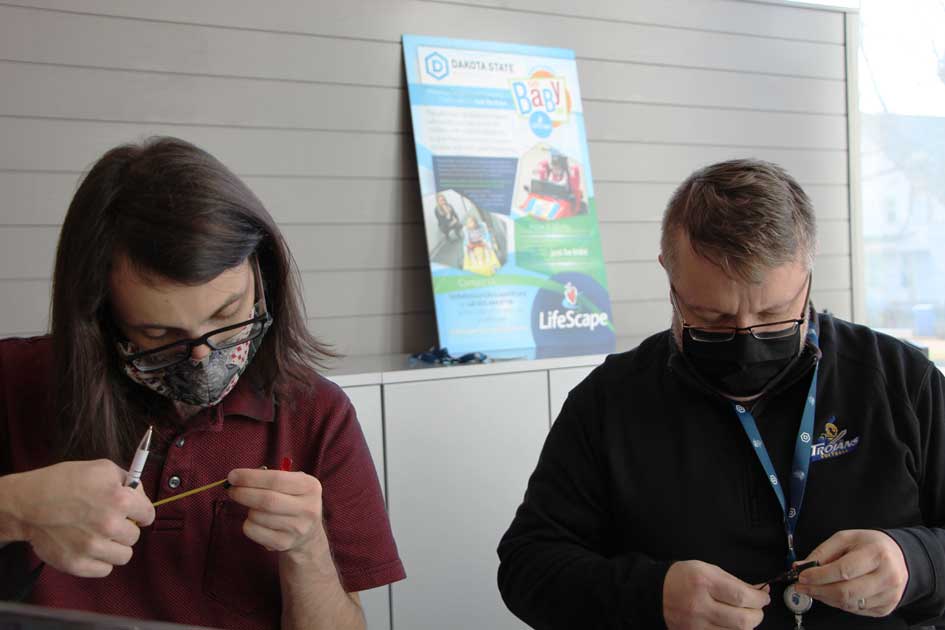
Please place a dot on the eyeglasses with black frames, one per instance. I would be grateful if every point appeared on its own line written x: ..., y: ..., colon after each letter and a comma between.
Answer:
x: 763, y: 332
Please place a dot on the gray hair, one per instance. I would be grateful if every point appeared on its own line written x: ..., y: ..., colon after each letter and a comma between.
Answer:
x: 746, y: 216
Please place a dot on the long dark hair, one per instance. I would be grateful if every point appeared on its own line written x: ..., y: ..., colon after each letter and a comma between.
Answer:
x: 175, y: 211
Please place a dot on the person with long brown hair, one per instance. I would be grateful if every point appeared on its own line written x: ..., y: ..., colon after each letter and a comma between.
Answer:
x: 176, y: 304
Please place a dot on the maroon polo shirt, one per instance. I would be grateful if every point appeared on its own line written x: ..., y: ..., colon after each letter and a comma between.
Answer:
x: 194, y: 565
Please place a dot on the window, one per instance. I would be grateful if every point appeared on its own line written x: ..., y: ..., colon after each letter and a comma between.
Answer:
x: 902, y: 165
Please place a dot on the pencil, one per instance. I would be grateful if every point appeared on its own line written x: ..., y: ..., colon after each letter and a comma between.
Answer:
x: 190, y: 492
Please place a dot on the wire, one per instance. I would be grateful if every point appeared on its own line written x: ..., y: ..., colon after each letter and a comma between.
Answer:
x: 222, y: 482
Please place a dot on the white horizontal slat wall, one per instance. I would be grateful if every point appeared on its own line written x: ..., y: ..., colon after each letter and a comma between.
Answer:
x: 306, y: 101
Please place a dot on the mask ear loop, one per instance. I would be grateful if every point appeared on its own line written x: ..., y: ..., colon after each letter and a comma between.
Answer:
x: 259, y: 289
x: 805, y: 314
x: 260, y: 306
x: 676, y: 310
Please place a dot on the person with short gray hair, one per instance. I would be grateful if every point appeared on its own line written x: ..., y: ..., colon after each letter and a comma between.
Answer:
x: 758, y: 464
x: 747, y: 216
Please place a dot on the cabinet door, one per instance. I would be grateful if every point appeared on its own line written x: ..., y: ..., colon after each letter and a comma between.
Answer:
x: 459, y: 453
x: 562, y: 381
x: 367, y: 403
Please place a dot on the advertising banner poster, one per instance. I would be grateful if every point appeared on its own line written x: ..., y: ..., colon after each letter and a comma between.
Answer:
x: 508, y: 199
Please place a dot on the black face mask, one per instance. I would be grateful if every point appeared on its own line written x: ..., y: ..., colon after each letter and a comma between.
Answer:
x: 745, y: 365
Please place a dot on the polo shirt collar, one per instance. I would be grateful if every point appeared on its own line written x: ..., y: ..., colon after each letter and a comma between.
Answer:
x: 249, y: 401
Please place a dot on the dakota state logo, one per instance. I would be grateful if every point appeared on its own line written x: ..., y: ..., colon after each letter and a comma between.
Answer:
x: 833, y: 442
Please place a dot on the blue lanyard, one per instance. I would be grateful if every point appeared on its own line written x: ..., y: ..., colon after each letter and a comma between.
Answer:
x: 802, y: 453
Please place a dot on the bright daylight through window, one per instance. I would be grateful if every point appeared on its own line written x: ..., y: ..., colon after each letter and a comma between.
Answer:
x: 902, y: 124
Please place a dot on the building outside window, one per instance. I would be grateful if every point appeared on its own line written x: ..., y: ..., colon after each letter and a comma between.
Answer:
x: 901, y: 82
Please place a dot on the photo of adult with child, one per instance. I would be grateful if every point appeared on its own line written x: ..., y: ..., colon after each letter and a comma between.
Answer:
x: 463, y: 236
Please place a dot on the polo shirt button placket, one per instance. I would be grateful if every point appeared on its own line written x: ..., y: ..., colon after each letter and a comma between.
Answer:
x: 174, y: 482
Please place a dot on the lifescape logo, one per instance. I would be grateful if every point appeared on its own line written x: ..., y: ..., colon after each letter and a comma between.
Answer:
x: 831, y: 442
x: 544, y: 99
x: 570, y: 318
x: 570, y: 296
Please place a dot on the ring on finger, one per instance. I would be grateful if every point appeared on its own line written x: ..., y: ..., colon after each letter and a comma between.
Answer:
x: 861, y: 603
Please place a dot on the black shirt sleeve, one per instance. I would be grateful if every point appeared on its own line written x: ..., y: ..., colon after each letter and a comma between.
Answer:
x: 924, y: 547
x: 555, y: 570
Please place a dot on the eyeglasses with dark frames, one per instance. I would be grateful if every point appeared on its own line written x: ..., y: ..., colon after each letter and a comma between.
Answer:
x: 763, y: 332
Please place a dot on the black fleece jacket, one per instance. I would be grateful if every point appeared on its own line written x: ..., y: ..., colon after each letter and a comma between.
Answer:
x: 645, y: 466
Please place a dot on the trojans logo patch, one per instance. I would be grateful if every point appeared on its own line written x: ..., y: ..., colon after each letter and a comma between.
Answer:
x: 833, y: 442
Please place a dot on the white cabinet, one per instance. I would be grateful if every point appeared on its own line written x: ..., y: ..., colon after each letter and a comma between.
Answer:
x: 454, y: 448
x: 367, y: 403
x: 366, y: 400
x: 376, y: 606
x: 459, y: 453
